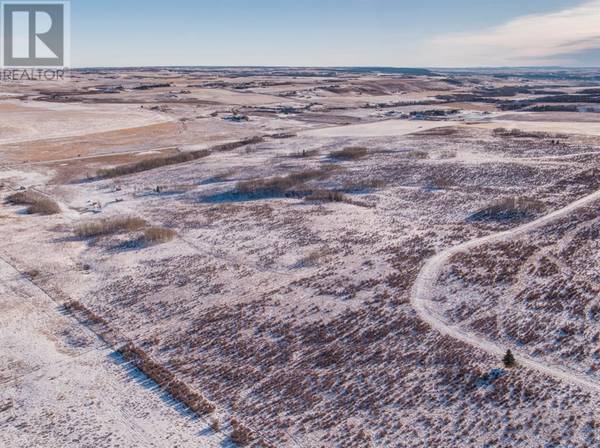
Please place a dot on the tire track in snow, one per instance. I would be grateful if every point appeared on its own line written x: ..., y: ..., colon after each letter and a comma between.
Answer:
x: 424, y: 285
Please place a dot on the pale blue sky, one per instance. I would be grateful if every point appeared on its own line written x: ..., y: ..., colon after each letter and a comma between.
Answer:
x: 335, y: 32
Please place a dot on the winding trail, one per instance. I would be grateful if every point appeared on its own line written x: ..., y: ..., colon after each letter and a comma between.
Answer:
x: 424, y: 285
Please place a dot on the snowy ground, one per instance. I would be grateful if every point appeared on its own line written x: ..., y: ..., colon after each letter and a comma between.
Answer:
x: 61, y: 386
x: 359, y: 322
x: 27, y: 121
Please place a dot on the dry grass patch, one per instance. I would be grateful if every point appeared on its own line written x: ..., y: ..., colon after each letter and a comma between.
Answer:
x: 167, y: 381
x: 215, y: 425
x: 235, y: 145
x: 282, y: 184
x: 283, y: 135
x: 109, y: 226
x: 32, y: 274
x: 350, y: 153
x: 44, y: 206
x: 327, y: 196
x: 241, y: 435
x: 37, y: 203
x: 314, y: 258
x: 183, y: 157
x: 518, y: 133
x: 439, y: 132
x: 158, y: 235
x: 149, y: 164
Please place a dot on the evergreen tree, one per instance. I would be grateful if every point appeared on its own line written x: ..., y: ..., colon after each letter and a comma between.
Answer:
x: 509, y: 359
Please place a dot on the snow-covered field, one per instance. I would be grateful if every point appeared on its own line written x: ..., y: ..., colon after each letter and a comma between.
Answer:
x: 388, y: 128
x: 308, y: 296
x: 61, y: 386
x: 30, y: 121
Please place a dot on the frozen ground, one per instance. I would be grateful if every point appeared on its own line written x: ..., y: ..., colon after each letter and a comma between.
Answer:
x: 27, y: 121
x: 317, y: 298
x: 61, y: 386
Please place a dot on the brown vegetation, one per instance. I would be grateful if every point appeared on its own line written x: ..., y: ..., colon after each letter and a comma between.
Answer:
x: 241, y: 435
x: 182, y: 157
x: 37, y: 203
x: 281, y: 184
x: 108, y: 226
x: 157, y: 235
x: 327, y: 196
x: 167, y: 380
x: 44, y: 206
x: 149, y: 164
x: 32, y: 274
x: 283, y: 135
x: 313, y: 258
x: 235, y: 145
x: 130, y: 352
x: 518, y: 133
x: 439, y: 132
x: 97, y: 323
x: 350, y: 153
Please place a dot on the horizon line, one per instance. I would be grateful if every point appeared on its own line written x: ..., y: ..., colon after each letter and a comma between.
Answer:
x: 343, y: 67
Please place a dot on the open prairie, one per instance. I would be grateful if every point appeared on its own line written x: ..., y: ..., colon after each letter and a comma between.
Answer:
x: 300, y: 258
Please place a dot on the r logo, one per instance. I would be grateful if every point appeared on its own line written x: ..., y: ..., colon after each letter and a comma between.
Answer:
x: 34, y: 34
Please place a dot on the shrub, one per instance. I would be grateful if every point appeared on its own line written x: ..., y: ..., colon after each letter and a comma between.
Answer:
x: 215, y: 425
x: 281, y: 184
x: 439, y: 132
x: 283, y: 135
x: 241, y: 435
x: 37, y: 203
x: 44, y: 206
x: 109, y: 226
x: 327, y: 196
x: 149, y: 164
x: 88, y: 317
x: 21, y: 198
x: 518, y: 133
x: 32, y: 274
x: 75, y: 306
x: 166, y: 380
x: 350, y: 153
x: 182, y: 157
x: 313, y: 258
x: 157, y: 235
x: 235, y: 145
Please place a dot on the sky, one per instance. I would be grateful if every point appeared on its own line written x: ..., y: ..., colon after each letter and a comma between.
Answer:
x: 335, y: 33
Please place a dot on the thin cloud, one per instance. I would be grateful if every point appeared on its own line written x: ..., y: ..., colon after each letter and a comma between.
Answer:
x: 541, y: 38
